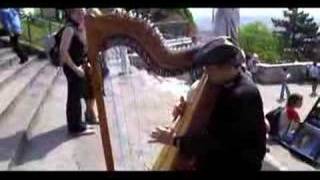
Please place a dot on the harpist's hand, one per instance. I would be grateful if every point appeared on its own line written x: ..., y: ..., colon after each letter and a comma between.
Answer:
x: 179, y: 109
x: 164, y: 135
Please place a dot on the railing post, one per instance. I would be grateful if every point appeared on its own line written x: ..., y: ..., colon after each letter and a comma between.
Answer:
x: 28, y: 28
x: 50, y: 27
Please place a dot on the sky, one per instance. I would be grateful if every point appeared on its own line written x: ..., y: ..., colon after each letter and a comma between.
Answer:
x: 253, y: 12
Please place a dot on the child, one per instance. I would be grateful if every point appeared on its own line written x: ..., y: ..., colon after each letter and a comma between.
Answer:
x: 290, y: 119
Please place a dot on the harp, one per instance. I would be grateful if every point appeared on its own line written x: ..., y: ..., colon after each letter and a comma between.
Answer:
x: 138, y: 33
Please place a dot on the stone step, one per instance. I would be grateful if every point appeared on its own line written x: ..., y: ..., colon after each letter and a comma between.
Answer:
x: 11, y: 91
x: 287, y: 160
x: 49, y: 147
x: 5, y: 50
x: 8, y: 73
x: 8, y: 59
x: 19, y: 117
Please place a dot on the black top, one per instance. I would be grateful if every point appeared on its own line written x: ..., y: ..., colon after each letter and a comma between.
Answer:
x: 236, y: 133
x: 77, y: 50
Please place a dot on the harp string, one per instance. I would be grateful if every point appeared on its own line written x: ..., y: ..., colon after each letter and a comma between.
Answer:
x: 132, y: 153
x: 113, y: 112
x: 137, y: 118
x: 143, y: 119
x: 116, y: 116
x: 131, y: 123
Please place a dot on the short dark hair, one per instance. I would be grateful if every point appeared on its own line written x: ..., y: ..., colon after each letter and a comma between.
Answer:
x: 294, y: 99
x: 314, y: 63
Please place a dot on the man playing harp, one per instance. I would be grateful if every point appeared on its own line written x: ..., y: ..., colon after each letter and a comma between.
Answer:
x: 235, y: 136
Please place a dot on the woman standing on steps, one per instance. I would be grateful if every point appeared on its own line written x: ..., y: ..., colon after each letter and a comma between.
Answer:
x: 73, y: 51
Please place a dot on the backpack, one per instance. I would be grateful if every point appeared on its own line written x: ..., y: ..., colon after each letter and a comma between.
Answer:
x: 54, y: 52
x: 273, y: 117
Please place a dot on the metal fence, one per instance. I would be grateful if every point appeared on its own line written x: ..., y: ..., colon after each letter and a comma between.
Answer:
x: 36, y: 29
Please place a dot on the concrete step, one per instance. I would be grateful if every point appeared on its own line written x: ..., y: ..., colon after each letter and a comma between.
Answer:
x: 8, y: 59
x: 49, y: 147
x: 5, y: 50
x: 11, y: 91
x: 7, y: 74
x: 288, y: 161
x: 19, y: 116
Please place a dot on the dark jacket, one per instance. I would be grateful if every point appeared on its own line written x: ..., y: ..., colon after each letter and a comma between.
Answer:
x: 236, y: 133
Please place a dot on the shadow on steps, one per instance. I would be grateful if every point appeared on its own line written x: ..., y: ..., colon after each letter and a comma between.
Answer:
x: 40, y: 144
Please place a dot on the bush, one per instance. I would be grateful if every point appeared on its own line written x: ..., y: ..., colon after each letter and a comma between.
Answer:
x: 257, y: 38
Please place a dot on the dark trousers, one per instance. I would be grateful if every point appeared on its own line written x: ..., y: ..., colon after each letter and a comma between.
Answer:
x: 284, y: 87
x: 75, y: 93
x: 14, y: 42
x: 254, y: 77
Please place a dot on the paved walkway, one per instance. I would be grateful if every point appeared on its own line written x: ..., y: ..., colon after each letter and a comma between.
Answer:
x: 136, y: 103
x: 270, y: 94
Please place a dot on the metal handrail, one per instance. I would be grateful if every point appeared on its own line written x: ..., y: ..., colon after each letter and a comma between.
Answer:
x: 30, y: 21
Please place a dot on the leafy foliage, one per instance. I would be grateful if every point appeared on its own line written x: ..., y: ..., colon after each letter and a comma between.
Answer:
x: 296, y: 30
x: 257, y: 38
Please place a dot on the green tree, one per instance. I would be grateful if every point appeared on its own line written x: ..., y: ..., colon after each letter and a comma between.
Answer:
x: 257, y: 38
x: 295, y: 29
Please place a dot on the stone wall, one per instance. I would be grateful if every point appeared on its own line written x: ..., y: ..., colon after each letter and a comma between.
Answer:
x: 270, y: 73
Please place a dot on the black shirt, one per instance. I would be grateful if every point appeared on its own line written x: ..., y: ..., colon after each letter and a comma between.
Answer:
x: 236, y: 133
x: 77, y: 50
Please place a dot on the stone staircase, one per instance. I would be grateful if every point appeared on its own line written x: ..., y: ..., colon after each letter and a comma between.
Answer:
x: 22, y: 90
x: 25, y: 94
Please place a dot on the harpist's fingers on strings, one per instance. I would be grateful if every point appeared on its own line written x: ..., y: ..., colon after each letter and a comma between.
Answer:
x: 155, y: 134
x: 153, y: 141
x: 160, y: 129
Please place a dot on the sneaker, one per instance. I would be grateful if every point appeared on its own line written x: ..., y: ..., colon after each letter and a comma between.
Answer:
x: 121, y: 73
x: 82, y: 131
x: 85, y: 132
x: 89, y: 126
x: 23, y: 60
